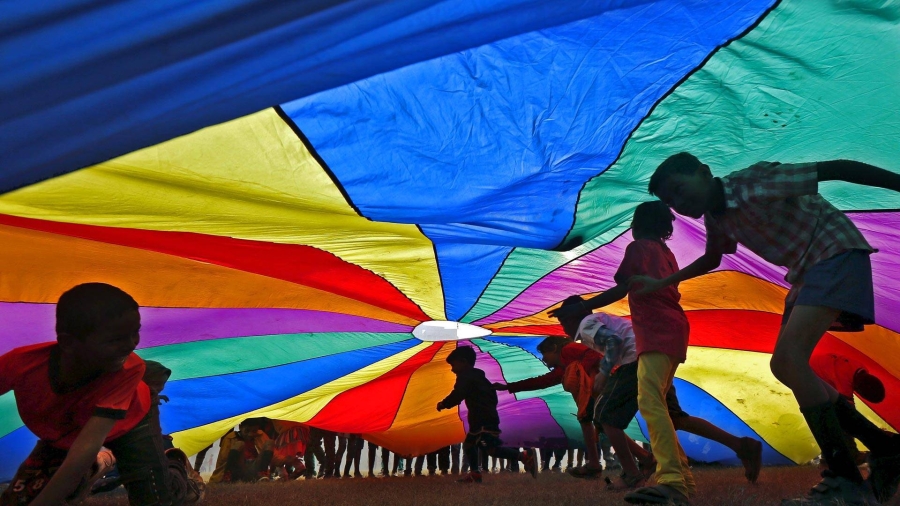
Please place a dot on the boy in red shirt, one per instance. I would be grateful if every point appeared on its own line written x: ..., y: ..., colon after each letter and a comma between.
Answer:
x: 573, y: 365
x: 86, y: 391
x: 775, y: 211
x: 661, y: 339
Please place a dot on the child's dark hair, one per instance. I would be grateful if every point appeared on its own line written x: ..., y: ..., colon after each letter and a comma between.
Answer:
x: 653, y: 219
x: 463, y: 354
x: 574, y: 300
x: 552, y: 343
x: 87, y: 306
x: 681, y: 163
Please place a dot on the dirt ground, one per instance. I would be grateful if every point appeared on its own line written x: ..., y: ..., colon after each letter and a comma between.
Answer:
x: 716, y: 487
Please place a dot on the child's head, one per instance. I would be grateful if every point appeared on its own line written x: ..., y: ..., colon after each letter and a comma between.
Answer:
x: 684, y: 184
x: 462, y: 358
x: 652, y: 220
x: 551, y: 348
x: 570, y: 324
x: 97, y: 325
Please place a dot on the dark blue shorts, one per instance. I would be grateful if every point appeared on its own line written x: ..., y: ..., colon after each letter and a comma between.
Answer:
x: 843, y: 282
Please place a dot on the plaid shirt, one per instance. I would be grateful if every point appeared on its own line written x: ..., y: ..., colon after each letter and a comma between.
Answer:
x: 775, y: 210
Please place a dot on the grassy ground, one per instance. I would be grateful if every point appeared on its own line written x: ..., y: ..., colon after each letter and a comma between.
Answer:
x: 716, y: 487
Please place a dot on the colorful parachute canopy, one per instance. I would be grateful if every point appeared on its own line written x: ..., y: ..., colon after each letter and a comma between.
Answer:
x: 286, y: 260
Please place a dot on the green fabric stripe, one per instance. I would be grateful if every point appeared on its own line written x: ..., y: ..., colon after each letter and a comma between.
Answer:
x: 814, y: 81
x: 524, y: 266
x: 226, y: 356
x: 9, y: 415
x: 518, y: 364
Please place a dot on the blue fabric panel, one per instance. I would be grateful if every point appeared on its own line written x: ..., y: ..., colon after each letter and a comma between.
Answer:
x: 466, y: 269
x: 696, y: 402
x: 199, y: 401
x: 494, y: 143
x: 528, y: 344
x: 14, y: 448
x: 86, y: 81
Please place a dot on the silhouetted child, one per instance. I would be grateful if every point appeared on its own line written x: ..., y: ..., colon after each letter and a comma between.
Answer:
x: 661, y: 340
x: 574, y: 366
x: 85, y: 391
x: 473, y: 387
x: 775, y: 211
x: 616, y: 388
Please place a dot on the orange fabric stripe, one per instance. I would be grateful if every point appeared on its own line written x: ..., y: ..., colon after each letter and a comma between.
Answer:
x: 39, y: 267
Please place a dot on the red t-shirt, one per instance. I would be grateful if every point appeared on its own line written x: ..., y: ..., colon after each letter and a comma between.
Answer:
x: 658, y: 319
x: 57, y: 418
x: 572, y: 352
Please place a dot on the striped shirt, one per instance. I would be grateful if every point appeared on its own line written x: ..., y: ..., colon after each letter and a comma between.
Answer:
x: 775, y: 210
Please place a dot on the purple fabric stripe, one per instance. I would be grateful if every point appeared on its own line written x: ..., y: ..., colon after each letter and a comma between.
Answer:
x: 593, y: 272
x: 25, y: 323
x: 523, y: 423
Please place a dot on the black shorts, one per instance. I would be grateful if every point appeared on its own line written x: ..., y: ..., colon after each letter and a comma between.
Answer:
x: 484, y: 437
x: 618, y: 403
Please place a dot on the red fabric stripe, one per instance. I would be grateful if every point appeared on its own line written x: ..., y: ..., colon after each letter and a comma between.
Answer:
x: 372, y: 407
x: 299, y: 264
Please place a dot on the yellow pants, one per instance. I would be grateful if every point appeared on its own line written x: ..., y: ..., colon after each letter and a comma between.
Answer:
x: 655, y: 373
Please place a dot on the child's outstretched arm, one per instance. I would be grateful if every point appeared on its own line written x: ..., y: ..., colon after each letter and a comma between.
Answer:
x: 604, y: 299
x: 78, y: 461
x: 858, y: 173
x: 707, y: 262
x: 456, y: 396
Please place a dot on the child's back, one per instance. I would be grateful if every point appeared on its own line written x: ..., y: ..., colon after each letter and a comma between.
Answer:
x: 480, y: 398
x: 659, y: 321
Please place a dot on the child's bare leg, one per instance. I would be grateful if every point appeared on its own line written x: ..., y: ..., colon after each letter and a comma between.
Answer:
x: 619, y: 441
x: 590, y: 441
x: 705, y: 429
x: 643, y: 456
x: 796, y: 342
x: 790, y: 364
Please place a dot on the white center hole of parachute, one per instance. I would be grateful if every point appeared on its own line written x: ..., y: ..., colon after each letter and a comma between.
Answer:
x: 448, y: 331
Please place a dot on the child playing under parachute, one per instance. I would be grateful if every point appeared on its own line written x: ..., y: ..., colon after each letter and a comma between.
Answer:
x: 85, y: 391
x: 473, y: 387
x: 616, y: 391
x: 775, y: 211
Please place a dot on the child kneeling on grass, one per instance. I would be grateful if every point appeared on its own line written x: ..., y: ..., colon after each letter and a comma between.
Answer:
x: 473, y: 387
x: 86, y: 391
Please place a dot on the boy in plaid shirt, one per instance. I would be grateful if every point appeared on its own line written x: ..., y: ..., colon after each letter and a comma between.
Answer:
x: 775, y: 211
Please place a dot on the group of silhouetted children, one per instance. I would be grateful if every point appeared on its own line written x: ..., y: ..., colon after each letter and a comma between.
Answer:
x: 620, y: 367
x: 93, y: 403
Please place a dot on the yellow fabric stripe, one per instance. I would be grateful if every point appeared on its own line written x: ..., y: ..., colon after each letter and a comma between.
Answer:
x: 300, y: 408
x: 250, y: 178
x: 742, y: 381
x: 419, y: 428
x: 716, y: 290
